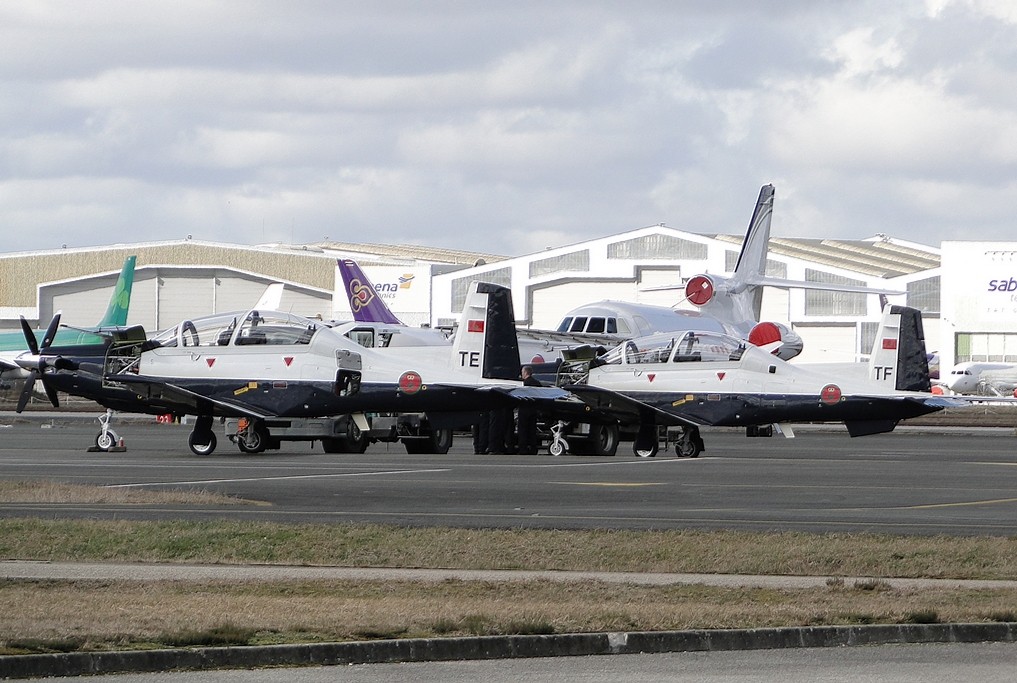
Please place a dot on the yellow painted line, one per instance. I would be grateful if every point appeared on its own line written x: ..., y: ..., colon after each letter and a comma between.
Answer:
x: 960, y: 505
x: 610, y: 483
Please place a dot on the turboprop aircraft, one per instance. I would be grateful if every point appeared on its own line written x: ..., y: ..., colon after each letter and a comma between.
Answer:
x: 693, y: 379
x: 14, y: 343
x: 267, y: 364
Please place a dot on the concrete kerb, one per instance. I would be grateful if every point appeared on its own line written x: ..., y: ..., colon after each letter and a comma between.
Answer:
x: 497, y: 647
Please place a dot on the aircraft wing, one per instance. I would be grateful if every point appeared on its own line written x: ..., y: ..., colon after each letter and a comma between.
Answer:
x: 167, y: 391
x: 519, y: 393
x: 624, y: 408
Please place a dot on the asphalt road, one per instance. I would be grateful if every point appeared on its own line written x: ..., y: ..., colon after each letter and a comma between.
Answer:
x: 907, y: 482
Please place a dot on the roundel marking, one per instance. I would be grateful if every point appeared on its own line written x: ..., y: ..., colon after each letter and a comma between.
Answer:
x: 830, y: 395
x: 410, y: 382
x: 699, y: 290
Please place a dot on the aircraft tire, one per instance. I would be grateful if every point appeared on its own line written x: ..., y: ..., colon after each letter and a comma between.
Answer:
x: 646, y: 443
x: 441, y: 441
x: 603, y: 439
x: 258, y: 441
x: 201, y: 443
x: 645, y: 452
x: 106, y: 440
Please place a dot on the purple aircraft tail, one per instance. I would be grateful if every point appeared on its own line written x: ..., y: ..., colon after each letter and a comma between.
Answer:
x: 365, y: 303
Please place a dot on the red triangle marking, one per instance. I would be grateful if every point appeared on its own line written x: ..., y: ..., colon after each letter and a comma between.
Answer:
x: 288, y: 360
x: 720, y: 375
x: 210, y: 361
x: 651, y: 376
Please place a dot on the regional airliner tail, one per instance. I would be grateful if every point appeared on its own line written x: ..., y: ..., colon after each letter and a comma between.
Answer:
x: 365, y: 303
x: 120, y: 302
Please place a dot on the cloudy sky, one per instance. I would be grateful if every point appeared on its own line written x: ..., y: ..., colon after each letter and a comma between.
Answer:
x: 505, y: 127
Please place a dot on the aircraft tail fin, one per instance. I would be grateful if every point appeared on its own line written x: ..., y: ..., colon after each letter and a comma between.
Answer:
x: 486, y: 341
x: 120, y: 302
x: 271, y: 300
x: 898, y: 354
x: 736, y: 301
x: 365, y: 303
x: 751, y: 265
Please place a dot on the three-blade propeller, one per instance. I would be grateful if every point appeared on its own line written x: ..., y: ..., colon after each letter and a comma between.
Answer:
x: 36, y: 362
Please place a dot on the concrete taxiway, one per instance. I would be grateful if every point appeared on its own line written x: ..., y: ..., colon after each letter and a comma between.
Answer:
x: 922, y: 481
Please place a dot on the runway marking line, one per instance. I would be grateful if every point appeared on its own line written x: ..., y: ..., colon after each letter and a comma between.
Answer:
x: 296, y: 476
x: 618, y: 484
x: 969, y: 503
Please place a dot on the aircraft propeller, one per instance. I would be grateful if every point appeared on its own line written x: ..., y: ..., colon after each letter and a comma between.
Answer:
x: 36, y: 363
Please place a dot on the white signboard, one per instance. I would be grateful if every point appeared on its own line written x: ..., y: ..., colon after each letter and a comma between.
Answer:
x: 979, y: 286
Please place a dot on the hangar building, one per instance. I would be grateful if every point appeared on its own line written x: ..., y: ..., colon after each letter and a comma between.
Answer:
x: 188, y: 278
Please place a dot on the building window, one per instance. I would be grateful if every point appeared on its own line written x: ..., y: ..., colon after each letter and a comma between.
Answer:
x: 831, y: 303
x: 924, y: 295
x: 773, y: 268
x: 867, y: 337
x: 986, y: 347
x: 656, y: 247
x: 461, y: 287
x: 576, y: 262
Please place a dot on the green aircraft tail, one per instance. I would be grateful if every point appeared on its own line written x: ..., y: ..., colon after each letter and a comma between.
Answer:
x: 116, y: 314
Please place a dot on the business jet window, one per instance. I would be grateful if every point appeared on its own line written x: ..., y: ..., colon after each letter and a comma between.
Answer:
x: 596, y: 325
x: 565, y: 324
x: 578, y: 324
x: 612, y: 325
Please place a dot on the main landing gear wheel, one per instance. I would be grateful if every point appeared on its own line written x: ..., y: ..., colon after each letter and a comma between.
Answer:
x: 201, y: 443
x: 647, y: 441
x: 689, y: 444
x: 647, y: 452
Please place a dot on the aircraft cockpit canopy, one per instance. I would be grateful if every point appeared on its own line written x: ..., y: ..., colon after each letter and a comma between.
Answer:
x: 241, y: 328
x: 676, y: 348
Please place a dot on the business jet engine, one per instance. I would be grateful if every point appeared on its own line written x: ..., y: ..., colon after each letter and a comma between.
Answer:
x: 766, y: 333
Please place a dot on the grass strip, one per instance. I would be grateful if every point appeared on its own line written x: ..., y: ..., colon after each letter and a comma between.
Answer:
x: 41, y: 616
x: 372, y: 545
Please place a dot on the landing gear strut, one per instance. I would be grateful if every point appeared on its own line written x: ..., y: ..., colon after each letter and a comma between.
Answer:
x: 107, y: 438
x: 558, y: 443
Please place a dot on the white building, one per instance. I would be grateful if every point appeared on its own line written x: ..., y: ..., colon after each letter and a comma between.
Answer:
x: 187, y: 278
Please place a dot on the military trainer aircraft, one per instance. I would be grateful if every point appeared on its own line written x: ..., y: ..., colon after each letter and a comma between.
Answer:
x: 692, y: 379
x: 266, y: 364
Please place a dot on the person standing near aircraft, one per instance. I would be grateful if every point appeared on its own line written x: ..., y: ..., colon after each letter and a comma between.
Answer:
x: 528, y: 440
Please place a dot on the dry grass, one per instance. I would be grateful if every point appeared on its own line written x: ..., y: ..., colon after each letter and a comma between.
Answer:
x: 371, y: 545
x: 58, y: 492
x: 100, y: 615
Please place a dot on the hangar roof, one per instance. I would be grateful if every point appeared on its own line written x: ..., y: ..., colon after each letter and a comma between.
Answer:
x: 878, y: 256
